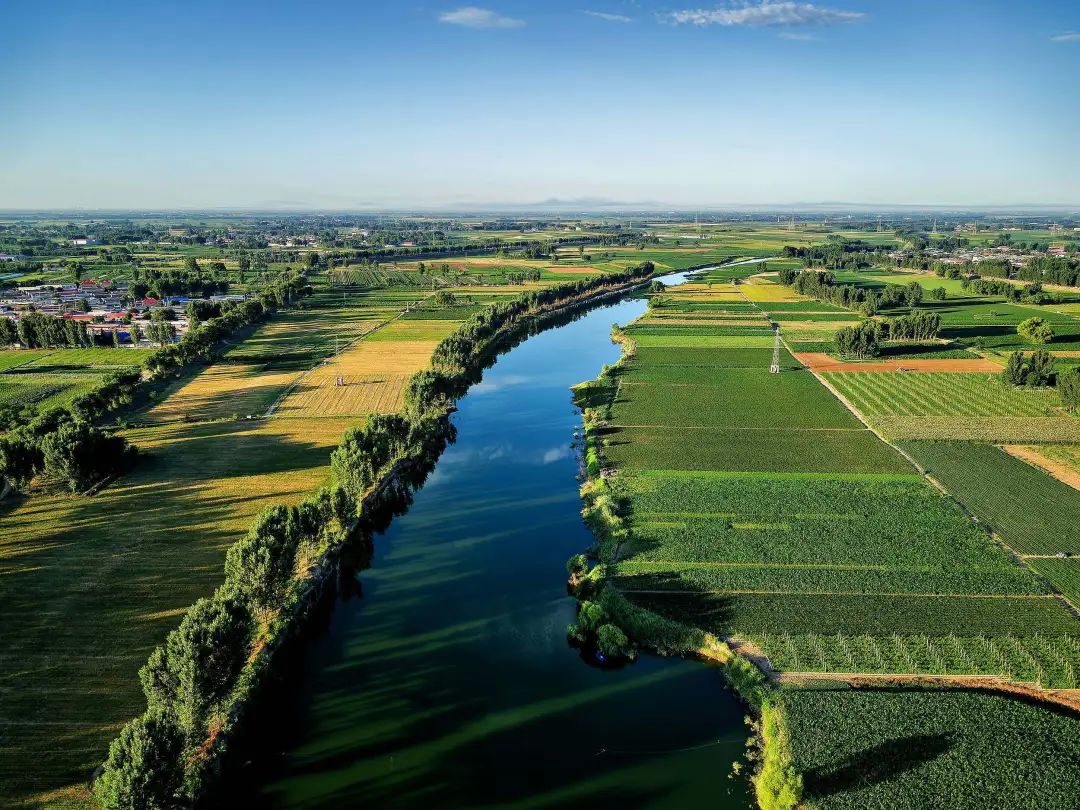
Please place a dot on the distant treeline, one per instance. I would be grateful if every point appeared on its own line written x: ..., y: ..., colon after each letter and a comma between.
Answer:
x: 837, y: 254
x: 200, y: 681
x: 190, y: 280
x: 823, y: 285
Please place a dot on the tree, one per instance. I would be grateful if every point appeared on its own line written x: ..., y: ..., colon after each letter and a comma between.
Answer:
x: 859, y: 341
x: 145, y: 766
x: 83, y: 305
x: 443, y: 299
x: 1036, y: 369
x: 20, y: 458
x: 77, y: 454
x: 913, y: 294
x: 938, y: 294
x: 9, y: 332
x: 197, y: 666
x: 1035, y: 330
x: 1069, y: 388
x: 161, y: 332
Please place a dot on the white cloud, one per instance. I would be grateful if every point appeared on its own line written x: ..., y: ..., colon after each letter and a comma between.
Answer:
x: 555, y: 454
x: 1068, y: 36
x: 762, y: 14
x: 474, y: 17
x: 603, y: 15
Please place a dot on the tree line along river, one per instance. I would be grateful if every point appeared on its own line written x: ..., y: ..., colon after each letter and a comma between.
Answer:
x: 442, y: 675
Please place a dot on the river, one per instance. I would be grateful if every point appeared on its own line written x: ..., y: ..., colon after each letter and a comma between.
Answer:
x: 449, y: 682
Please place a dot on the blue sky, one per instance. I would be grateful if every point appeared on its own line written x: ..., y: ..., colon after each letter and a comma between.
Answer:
x: 345, y: 105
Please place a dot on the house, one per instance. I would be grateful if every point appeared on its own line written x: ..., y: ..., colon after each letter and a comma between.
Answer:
x: 10, y: 257
x: 178, y: 231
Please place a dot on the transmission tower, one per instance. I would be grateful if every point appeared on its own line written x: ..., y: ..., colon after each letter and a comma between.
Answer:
x: 775, y: 367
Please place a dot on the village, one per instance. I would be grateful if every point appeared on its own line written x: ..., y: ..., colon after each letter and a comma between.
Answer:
x: 111, y: 314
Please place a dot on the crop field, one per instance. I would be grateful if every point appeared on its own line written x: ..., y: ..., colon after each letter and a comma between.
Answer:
x: 751, y: 341
x: 1044, y: 660
x: 760, y: 508
x: 13, y: 358
x: 95, y: 583
x: 763, y: 450
x: 863, y: 748
x: 1033, y: 512
x: 745, y: 398
x: 766, y: 292
x: 970, y: 406
x: 46, y: 390
x: 958, y: 395
x: 90, y: 358
x: 48, y: 378
x: 1064, y: 457
x: 1064, y: 574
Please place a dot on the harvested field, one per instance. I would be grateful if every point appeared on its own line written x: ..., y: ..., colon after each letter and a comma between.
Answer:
x: 822, y: 362
x: 222, y: 391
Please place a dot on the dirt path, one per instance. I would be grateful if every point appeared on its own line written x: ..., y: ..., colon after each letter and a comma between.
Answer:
x: 1069, y: 698
x: 820, y: 362
x: 1062, y: 472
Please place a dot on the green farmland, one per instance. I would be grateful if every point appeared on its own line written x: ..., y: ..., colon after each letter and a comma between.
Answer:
x: 759, y: 509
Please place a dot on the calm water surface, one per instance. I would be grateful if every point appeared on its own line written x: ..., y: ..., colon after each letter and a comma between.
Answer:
x: 449, y: 682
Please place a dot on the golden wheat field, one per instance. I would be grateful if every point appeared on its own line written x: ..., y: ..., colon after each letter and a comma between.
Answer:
x: 759, y: 290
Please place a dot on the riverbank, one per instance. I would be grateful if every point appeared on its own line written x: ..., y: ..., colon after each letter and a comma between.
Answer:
x: 464, y: 355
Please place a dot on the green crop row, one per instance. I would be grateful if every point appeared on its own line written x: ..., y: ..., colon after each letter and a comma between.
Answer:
x: 1033, y: 512
x: 744, y: 398
x: 940, y: 395
x: 747, y: 615
x: 957, y: 749
x: 1051, y: 661
x: 763, y: 450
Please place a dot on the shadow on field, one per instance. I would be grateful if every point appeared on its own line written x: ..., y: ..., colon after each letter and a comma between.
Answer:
x: 668, y: 594
x: 876, y: 764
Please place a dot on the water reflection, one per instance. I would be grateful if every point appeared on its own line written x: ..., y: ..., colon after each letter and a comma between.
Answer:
x: 450, y: 682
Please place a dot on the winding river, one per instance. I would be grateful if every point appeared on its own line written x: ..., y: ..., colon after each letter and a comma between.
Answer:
x: 449, y: 682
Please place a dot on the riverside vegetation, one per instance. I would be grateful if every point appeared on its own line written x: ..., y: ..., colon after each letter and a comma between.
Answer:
x: 198, y: 682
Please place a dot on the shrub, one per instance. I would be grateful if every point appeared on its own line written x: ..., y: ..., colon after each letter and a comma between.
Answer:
x: 1035, y: 330
x: 613, y: 643
x: 777, y: 785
